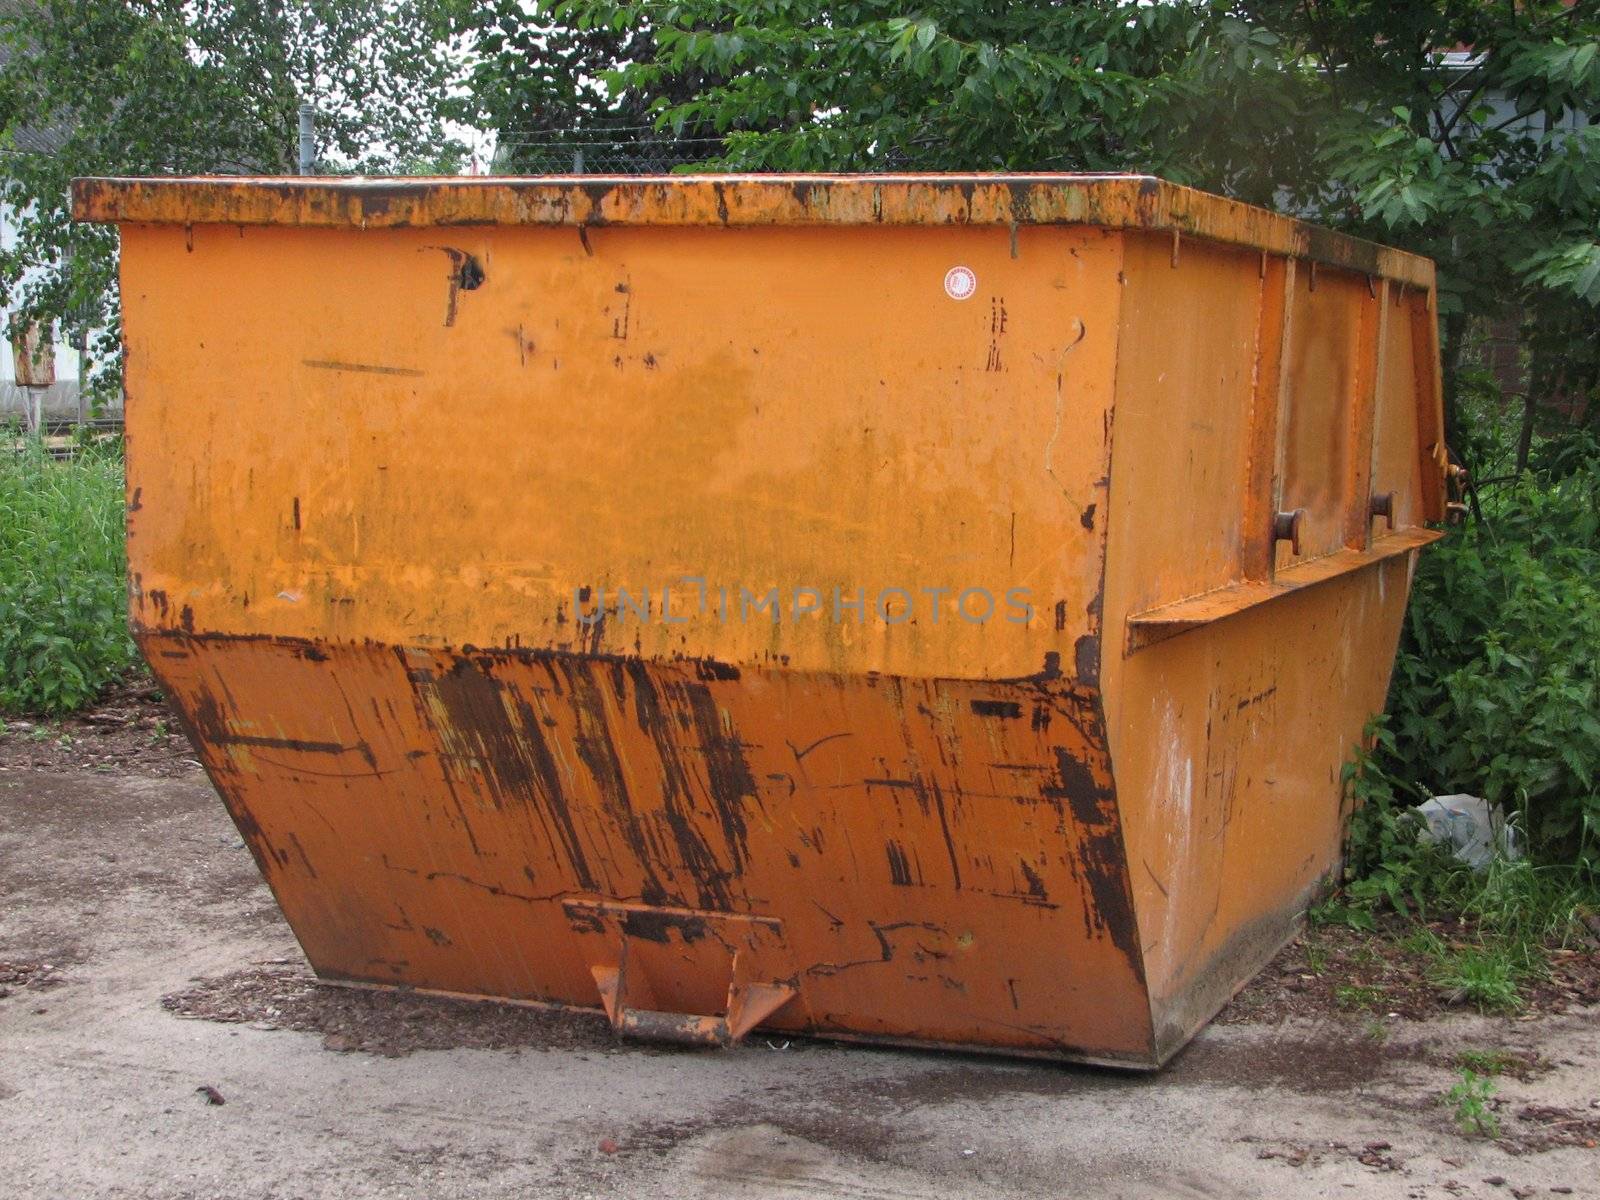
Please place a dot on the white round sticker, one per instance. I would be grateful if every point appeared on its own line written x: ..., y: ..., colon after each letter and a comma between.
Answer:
x: 960, y: 283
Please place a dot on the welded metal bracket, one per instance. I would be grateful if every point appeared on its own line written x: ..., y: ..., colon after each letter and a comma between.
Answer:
x: 748, y: 1005
x: 753, y: 996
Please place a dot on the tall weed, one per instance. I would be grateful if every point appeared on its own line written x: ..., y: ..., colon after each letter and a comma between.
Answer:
x: 63, y: 596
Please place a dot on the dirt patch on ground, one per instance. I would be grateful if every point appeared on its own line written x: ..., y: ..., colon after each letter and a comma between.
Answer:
x: 1336, y: 970
x: 130, y: 729
x: 391, y: 1023
x: 1334, y: 1058
x: 35, y: 976
x: 1543, y: 1127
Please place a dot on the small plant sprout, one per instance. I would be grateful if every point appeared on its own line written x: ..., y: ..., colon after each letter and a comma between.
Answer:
x: 1469, y: 1098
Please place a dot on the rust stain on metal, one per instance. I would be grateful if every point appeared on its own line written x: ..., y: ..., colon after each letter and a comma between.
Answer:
x: 1108, y: 201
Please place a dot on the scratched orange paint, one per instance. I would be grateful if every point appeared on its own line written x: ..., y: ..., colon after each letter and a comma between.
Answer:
x: 392, y: 446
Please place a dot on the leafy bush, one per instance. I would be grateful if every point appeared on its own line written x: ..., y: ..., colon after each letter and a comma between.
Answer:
x: 1497, y: 686
x: 63, y: 599
x: 1496, y: 693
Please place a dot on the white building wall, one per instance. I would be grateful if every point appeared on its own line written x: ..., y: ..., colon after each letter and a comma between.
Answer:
x: 58, y: 401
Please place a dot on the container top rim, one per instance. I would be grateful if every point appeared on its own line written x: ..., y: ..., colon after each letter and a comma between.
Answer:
x: 1109, y: 200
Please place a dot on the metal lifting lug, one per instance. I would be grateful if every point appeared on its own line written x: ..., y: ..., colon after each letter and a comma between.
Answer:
x: 1288, y: 526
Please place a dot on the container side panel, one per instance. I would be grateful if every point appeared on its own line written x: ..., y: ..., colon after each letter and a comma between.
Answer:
x: 924, y: 860
x: 1229, y: 742
x: 426, y: 436
x: 1228, y: 737
x: 1185, y: 372
x: 1397, y: 458
x: 1326, y: 372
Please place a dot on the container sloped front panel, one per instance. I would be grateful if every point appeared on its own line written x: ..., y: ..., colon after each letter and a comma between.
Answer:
x: 1250, y: 387
x: 703, y: 600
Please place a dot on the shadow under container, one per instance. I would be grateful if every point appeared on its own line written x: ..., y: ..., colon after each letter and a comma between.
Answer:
x: 927, y: 609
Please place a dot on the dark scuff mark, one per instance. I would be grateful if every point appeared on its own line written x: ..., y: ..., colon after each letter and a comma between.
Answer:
x: 710, y: 669
x: 437, y: 936
x: 708, y: 875
x: 944, y: 829
x: 200, y: 713
x: 136, y: 501
x: 800, y: 752
x: 619, y: 324
x: 899, y: 865
x: 301, y: 851
x: 1259, y: 698
x: 224, y: 737
x: 296, y: 514
x: 732, y: 783
x: 881, y: 932
x: 1155, y: 880
x: 1061, y: 616
x: 585, y: 919
x: 324, y: 364
x: 583, y: 236
x: 1005, y: 709
x: 466, y: 275
x: 1108, y: 907
x: 1086, y: 656
x: 1050, y: 672
x: 478, y: 738
x: 186, y: 619
x: 1087, y: 519
x: 656, y: 926
x: 1036, y: 887
x: 833, y: 921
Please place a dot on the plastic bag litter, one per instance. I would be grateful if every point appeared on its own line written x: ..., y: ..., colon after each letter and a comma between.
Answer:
x: 1475, y: 830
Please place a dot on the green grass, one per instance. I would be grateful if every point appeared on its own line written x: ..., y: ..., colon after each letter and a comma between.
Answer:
x: 1358, y: 997
x: 63, y: 595
x: 1486, y: 1062
x: 1485, y: 978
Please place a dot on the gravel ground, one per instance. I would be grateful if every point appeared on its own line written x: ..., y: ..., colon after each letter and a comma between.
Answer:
x: 160, y: 1036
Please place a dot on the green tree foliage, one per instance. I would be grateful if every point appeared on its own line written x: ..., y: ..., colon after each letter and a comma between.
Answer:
x: 159, y: 87
x: 538, y: 79
x: 1462, y: 129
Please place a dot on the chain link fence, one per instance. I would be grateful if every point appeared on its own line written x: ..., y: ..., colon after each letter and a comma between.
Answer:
x: 634, y: 151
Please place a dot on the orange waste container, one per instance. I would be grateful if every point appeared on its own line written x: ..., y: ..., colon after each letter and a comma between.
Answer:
x: 923, y: 609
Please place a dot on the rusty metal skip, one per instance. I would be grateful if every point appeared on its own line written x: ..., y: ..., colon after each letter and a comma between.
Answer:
x: 914, y: 609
